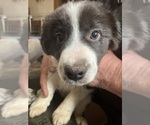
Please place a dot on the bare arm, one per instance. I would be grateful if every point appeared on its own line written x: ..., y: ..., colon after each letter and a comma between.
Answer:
x: 44, y: 72
x: 109, y: 75
x: 136, y: 74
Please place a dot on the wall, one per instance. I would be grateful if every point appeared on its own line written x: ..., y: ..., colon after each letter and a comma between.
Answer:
x: 13, y: 9
x: 41, y: 9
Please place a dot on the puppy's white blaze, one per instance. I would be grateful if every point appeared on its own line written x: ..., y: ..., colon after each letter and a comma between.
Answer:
x: 73, y: 10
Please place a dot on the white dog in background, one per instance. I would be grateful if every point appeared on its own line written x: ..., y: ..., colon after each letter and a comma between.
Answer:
x: 17, y: 103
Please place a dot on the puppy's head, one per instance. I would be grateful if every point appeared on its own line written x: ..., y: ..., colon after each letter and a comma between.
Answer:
x: 78, y: 35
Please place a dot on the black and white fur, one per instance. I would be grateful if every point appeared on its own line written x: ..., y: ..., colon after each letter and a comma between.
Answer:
x: 67, y: 35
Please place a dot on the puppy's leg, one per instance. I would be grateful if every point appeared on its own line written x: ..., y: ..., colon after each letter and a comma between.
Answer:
x: 41, y: 103
x: 63, y: 113
x: 31, y: 96
x: 80, y: 109
x: 16, y: 106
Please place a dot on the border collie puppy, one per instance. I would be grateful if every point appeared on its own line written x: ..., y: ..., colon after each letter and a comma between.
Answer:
x: 77, y: 35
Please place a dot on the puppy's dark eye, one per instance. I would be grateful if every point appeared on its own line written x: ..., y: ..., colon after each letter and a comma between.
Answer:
x: 95, y: 35
x: 59, y: 37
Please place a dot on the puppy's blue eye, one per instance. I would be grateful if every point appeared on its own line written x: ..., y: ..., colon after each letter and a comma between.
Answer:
x: 95, y: 35
x: 59, y: 37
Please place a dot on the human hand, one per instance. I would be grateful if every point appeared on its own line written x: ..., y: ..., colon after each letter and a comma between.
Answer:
x: 47, y: 65
x: 136, y: 72
x: 109, y: 74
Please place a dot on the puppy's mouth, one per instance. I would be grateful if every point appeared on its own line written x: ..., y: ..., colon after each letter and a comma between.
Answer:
x: 76, y: 83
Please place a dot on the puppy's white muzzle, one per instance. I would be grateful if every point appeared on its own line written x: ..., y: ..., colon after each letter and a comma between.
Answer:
x: 78, y: 65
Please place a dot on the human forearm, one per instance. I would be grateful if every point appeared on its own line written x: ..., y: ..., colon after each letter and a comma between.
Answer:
x: 48, y: 65
x: 113, y: 72
x: 136, y: 74
x: 43, y: 77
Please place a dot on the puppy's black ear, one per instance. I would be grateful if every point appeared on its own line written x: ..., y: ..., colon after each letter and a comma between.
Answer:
x: 117, y: 27
x: 46, y: 36
x: 45, y: 46
x: 112, y: 4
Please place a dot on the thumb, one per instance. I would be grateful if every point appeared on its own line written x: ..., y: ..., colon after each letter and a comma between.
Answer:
x: 43, y: 82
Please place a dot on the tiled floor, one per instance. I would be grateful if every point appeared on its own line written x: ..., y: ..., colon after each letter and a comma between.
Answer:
x: 19, y: 120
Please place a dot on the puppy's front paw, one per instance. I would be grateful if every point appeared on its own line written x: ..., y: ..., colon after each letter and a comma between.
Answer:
x: 15, y: 107
x: 81, y: 120
x: 61, y: 116
x: 37, y: 108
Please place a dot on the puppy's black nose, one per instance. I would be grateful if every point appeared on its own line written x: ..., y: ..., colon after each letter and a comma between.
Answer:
x: 75, y: 73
